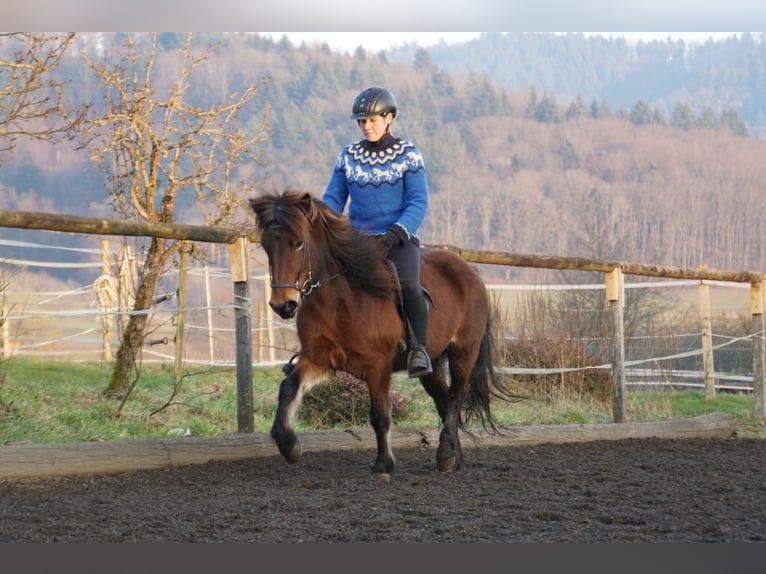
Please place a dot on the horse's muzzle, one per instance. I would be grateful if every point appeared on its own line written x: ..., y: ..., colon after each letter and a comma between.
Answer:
x: 286, y: 309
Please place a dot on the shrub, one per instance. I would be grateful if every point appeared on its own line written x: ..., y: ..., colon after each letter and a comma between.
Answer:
x: 554, y: 354
x: 344, y: 401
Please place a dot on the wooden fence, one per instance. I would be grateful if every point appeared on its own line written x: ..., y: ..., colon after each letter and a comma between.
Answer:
x: 614, y: 272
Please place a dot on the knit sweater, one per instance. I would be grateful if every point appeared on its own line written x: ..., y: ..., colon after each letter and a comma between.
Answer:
x: 386, y: 182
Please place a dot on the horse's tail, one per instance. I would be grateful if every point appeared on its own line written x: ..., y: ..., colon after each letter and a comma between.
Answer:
x: 484, y: 383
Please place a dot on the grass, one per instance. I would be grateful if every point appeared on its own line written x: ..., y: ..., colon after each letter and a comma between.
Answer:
x: 54, y: 402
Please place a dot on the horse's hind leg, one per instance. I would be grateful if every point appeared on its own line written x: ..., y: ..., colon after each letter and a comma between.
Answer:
x: 449, y: 453
x: 448, y: 401
x: 435, y: 385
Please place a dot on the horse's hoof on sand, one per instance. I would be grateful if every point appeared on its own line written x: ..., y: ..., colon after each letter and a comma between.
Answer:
x: 293, y: 455
x: 381, y: 476
x: 446, y: 465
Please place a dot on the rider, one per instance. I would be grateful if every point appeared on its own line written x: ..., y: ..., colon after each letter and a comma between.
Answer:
x: 385, y: 178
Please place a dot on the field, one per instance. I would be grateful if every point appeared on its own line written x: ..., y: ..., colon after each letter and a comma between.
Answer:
x: 50, y: 402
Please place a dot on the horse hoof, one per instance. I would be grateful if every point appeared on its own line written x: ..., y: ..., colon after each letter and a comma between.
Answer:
x: 293, y: 455
x: 447, y: 465
x: 381, y: 476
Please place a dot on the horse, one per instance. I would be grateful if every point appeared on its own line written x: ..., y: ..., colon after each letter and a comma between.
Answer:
x: 341, y: 290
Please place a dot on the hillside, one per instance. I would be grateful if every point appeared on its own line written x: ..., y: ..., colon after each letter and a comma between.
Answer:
x: 510, y: 170
x: 722, y: 74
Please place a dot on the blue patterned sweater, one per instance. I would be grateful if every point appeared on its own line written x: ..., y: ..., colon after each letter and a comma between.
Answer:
x: 386, y: 182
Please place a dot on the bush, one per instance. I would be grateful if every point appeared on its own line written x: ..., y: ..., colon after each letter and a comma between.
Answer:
x: 344, y: 401
x: 554, y: 354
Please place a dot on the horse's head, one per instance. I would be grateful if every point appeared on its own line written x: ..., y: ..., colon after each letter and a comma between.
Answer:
x: 285, y: 224
x: 308, y: 245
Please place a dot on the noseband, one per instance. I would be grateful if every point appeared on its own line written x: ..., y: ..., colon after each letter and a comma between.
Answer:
x: 306, y: 286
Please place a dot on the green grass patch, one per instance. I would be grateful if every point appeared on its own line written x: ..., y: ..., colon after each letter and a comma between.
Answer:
x: 51, y: 402
x: 54, y: 402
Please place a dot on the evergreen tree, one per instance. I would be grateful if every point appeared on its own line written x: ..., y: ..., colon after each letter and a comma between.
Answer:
x: 682, y: 117
x: 658, y: 117
x: 731, y: 122
x: 568, y: 156
x: 641, y: 113
x: 707, y: 119
x: 422, y: 62
x: 576, y: 109
x: 530, y: 109
x: 547, y: 111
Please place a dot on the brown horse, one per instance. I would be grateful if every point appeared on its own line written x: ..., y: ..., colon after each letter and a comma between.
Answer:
x: 338, y: 285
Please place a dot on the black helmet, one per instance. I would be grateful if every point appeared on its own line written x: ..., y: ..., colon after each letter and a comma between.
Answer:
x: 373, y: 101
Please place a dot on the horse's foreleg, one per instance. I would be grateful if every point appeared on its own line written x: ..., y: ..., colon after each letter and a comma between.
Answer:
x: 380, y: 417
x: 290, y: 397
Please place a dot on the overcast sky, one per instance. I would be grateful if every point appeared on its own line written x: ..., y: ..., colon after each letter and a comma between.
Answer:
x: 355, y: 17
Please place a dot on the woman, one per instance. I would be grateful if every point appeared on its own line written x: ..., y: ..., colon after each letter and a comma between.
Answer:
x: 385, y: 180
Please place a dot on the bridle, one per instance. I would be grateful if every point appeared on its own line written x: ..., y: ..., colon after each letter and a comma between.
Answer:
x: 308, y: 285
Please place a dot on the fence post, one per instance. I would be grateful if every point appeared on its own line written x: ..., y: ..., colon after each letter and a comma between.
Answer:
x: 269, y: 317
x: 5, y: 331
x: 240, y: 273
x: 186, y: 248
x: 707, y: 340
x: 209, y: 306
x: 615, y: 296
x: 106, y: 318
x: 759, y: 351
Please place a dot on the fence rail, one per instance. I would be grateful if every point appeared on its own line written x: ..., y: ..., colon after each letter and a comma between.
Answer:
x: 614, y: 272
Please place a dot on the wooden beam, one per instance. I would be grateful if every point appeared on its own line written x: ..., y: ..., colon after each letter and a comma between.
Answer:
x: 602, y: 265
x: 47, y: 460
x: 95, y: 226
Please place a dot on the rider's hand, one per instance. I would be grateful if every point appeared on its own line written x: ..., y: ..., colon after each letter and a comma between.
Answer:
x: 389, y: 240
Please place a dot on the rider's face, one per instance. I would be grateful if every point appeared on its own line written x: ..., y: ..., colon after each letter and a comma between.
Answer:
x: 375, y: 127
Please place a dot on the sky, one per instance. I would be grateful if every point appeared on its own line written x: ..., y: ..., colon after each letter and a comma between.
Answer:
x: 374, y: 19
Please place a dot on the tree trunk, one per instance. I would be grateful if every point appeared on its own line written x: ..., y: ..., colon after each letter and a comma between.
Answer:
x: 133, y: 337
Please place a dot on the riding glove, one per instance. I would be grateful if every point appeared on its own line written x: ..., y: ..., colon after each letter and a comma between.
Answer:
x: 389, y: 239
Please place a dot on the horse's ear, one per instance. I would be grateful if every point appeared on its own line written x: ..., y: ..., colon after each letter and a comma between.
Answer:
x: 305, y: 202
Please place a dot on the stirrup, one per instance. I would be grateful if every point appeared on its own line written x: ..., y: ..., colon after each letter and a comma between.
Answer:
x: 418, y: 363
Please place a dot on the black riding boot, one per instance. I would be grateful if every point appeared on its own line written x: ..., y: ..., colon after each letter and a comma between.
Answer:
x: 418, y: 362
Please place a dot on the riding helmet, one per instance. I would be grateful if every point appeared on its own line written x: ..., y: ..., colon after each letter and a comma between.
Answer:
x: 373, y: 101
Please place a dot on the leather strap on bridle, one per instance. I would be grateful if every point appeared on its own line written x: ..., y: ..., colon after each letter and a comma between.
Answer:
x: 309, y: 284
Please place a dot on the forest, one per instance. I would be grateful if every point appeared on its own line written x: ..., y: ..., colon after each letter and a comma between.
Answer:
x: 543, y: 144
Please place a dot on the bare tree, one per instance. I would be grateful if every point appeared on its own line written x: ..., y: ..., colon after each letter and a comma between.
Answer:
x: 32, y: 100
x: 158, y: 146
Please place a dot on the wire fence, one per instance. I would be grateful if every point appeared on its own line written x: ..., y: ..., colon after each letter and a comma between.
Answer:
x: 80, y: 318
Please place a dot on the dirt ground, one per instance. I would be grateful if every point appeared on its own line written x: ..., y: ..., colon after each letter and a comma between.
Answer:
x: 635, y: 490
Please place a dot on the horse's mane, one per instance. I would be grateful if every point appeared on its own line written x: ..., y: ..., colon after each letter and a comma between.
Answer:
x: 360, y: 259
